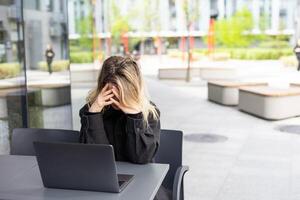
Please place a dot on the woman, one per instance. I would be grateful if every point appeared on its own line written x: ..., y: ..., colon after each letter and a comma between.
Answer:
x: 119, y: 113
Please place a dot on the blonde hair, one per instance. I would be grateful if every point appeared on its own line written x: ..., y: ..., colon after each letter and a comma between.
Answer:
x: 125, y: 74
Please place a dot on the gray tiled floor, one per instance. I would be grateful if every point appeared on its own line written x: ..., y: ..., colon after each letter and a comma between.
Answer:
x: 257, y: 162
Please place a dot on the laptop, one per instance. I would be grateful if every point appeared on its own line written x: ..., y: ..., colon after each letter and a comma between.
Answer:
x: 79, y: 167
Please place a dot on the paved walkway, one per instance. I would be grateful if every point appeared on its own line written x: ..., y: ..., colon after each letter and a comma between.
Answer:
x: 256, y: 162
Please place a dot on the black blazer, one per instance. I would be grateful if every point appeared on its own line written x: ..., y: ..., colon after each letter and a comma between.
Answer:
x: 133, y: 140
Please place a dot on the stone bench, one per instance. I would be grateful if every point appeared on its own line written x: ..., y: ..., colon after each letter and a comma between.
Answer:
x: 227, y: 92
x: 205, y: 73
x: 3, y: 100
x: 270, y: 103
x: 177, y: 73
x: 51, y: 93
x: 295, y: 84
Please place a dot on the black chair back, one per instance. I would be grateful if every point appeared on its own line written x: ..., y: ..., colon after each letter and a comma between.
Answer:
x: 23, y: 138
x: 170, y: 152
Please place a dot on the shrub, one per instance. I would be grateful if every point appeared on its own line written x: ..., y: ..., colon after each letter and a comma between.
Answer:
x: 179, y: 54
x: 220, y: 56
x: 231, y: 32
x: 274, y: 44
x: 81, y: 57
x: 8, y: 70
x: 75, y: 48
x: 57, y: 65
x: 289, y: 61
x: 252, y: 53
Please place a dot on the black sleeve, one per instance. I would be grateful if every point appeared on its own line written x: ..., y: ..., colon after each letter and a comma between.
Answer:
x: 142, y: 138
x: 92, y: 128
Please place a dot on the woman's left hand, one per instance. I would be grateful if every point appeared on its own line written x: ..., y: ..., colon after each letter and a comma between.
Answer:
x: 125, y: 109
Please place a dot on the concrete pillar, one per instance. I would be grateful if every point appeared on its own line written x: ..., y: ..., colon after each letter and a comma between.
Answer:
x: 98, y: 16
x: 180, y: 18
x: 164, y: 13
x: 240, y: 4
x: 275, y: 15
x: 229, y: 8
x: 267, y: 13
x: 221, y: 9
x: 255, y: 14
x: 291, y: 6
x: 71, y: 17
x: 204, y: 15
x: 106, y: 11
x: 297, y: 21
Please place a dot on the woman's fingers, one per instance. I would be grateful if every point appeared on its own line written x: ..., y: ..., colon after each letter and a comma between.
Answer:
x: 106, y: 103
x: 115, y: 93
x: 115, y: 102
x: 105, y: 88
x: 107, y: 92
x: 108, y: 97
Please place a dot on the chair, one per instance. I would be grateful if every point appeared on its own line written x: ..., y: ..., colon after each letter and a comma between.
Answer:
x: 23, y: 138
x: 170, y: 152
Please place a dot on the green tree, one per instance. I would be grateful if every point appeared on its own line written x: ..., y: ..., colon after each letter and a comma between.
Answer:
x: 85, y: 31
x: 119, y: 24
x: 235, y: 31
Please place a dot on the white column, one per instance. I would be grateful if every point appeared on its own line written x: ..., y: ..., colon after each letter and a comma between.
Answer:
x: 164, y: 14
x: 255, y: 14
x: 290, y: 14
x: 275, y: 15
x: 71, y: 17
x: 297, y: 22
x: 107, y: 8
x: 221, y: 9
x: 240, y: 4
x: 98, y: 16
x: 204, y: 15
x: 267, y: 13
x: 180, y: 18
x: 229, y: 8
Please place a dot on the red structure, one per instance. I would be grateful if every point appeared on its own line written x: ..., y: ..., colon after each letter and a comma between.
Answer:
x: 211, y: 36
x: 182, y: 47
x: 125, y: 42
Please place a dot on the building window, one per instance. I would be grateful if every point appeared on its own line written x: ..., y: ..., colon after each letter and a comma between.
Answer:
x: 61, y: 5
x: 49, y: 5
x: 32, y: 4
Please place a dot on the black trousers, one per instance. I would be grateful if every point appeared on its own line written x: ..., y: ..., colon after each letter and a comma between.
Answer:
x: 49, y: 62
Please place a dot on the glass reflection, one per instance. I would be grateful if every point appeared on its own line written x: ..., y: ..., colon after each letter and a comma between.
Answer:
x: 47, y: 64
x: 12, y: 76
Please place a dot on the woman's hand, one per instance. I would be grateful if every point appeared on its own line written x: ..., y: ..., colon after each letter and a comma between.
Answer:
x: 103, y: 99
x: 125, y: 109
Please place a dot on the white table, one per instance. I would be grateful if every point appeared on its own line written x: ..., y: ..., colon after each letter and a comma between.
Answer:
x: 20, y: 179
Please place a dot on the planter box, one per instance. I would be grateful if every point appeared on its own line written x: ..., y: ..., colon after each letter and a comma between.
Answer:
x: 51, y: 94
x: 227, y: 92
x: 270, y: 103
x: 218, y: 73
x: 177, y: 73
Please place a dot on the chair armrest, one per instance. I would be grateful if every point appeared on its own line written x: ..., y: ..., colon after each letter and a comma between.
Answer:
x: 178, y: 181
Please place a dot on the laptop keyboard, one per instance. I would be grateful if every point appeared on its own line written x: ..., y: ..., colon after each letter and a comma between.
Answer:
x: 121, y: 183
x: 123, y: 178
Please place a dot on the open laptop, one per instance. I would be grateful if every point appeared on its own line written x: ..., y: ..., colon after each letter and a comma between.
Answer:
x: 79, y: 167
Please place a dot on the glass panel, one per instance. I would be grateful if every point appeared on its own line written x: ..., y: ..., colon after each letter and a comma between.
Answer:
x: 12, y: 76
x: 47, y: 66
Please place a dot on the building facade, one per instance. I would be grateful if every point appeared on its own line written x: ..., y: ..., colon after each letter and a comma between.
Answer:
x: 270, y: 16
